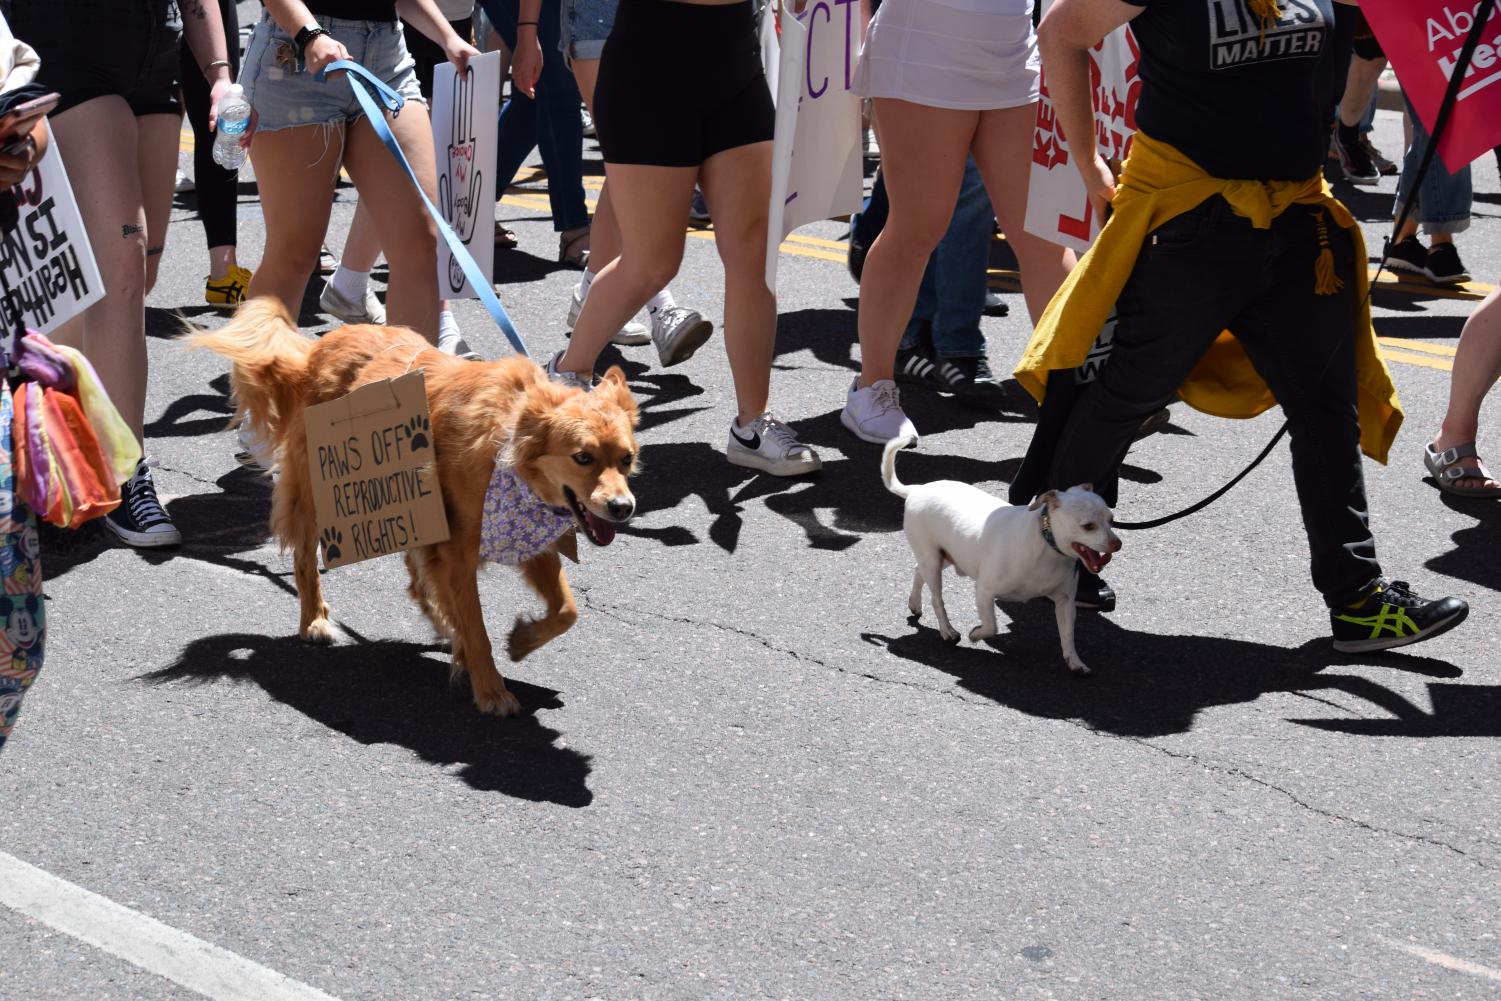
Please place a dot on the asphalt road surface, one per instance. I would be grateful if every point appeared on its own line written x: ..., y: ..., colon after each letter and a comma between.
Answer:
x: 745, y: 773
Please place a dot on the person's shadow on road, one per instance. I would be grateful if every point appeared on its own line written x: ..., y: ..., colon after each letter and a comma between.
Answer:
x: 399, y: 693
x: 1150, y: 684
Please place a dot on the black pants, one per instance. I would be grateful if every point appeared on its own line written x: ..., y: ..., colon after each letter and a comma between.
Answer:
x: 429, y: 55
x: 1209, y: 270
x: 218, y: 190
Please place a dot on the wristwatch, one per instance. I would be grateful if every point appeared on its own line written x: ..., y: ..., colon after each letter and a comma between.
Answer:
x: 306, y: 34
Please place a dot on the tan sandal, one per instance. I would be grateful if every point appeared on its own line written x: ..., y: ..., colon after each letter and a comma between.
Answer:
x: 573, y: 247
x: 1449, y: 468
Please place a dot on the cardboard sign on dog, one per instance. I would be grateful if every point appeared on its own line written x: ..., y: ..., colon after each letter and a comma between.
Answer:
x: 370, y: 461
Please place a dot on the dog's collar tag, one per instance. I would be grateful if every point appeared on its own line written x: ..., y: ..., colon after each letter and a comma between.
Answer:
x: 1047, y: 532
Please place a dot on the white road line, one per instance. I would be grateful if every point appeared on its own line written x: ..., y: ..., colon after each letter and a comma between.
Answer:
x: 1445, y: 960
x: 143, y: 941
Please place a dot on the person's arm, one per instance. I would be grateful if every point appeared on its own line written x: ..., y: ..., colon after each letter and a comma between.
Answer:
x: 1068, y: 31
x: 426, y: 18
x: 204, y: 30
x: 526, y: 65
x: 292, y: 16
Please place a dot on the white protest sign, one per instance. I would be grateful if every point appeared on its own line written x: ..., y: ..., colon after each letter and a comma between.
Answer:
x: 465, y: 145
x: 46, y: 261
x: 1058, y: 207
x: 816, y: 158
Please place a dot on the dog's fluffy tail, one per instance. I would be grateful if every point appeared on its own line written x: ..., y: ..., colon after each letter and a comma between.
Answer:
x: 888, y: 465
x: 270, y: 363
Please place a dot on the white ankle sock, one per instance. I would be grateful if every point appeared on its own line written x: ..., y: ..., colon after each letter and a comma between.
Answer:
x: 584, y: 283
x: 350, y: 284
x: 662, y: 300
x: 447, y: 325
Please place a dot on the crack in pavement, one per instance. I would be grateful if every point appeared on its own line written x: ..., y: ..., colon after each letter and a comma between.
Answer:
x: 621, y: 614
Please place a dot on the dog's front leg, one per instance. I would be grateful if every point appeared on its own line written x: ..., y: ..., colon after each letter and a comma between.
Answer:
x: 1067, y: 613
x: 545, y: 574
x: 456, y: 595
x: 985, y: 605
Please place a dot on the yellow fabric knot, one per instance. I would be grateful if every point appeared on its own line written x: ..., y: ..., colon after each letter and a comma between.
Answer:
x: 1267, y: 12
x: 1325, y: 281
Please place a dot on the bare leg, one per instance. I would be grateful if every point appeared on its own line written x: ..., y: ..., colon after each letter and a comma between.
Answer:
x: 922, y: 158
x: 604, y: 237
x: 1003, y: 152
x: 295, y: 171
x: 1477, y: 366
x: 737, y: 187
x: 362, y: 248
x: 156, y: 158
x: 220, y: 260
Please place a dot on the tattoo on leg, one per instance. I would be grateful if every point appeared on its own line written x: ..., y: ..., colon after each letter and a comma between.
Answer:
x: 153, y: 251
x: 129, y: 231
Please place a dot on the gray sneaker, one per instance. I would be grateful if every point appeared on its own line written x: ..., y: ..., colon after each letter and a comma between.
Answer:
x: 631, y: 334
x: 574, y: 379
x: 340, y: 308
x: 678, y: 333
x: 772, y: 447
x: 453, y: 343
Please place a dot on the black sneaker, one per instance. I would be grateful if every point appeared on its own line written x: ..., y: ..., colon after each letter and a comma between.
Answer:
x: 140, y: 520
x: 1386, y: 167
x: 972, y: 383
x: 916, y: 367
x: 1391, y: 616
x: 1093, y: 593
x: 1444, y: 265
x: 1353, y: 158
x: 854, y: 258
x: 1408, y: 256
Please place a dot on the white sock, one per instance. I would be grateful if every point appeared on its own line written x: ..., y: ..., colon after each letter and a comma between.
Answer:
x: 584, y: 283
x: 447, y: 325
x: 662, y: 300
x: 350, y: 284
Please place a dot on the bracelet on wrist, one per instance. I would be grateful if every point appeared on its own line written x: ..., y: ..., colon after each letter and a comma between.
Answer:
x: 215, y: 65
x: 523, y: 24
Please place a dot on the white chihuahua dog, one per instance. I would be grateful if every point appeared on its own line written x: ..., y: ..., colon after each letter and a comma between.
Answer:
x: 1013, y: 553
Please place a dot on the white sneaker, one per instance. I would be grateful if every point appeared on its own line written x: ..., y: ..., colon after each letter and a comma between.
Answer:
x: 772, y: 447
x: 874, y: 414
x: 256, y: 451
x: 451, y: 342
x: 678, y: 333
x: 574, y: 379
x: 631, y: 334
x: 182, y: 183
x: 340, y: 308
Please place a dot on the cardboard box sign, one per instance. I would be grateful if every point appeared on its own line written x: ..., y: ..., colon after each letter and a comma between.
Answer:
x: 370, y: 461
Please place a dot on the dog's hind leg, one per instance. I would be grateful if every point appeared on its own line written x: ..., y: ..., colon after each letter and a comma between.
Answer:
x: 419, y: 587
x: 985, y: 605
x: 294, y: 523
x: 544, y: 573
x: 455, y: 596
x: 914, y: 600
x: 315, y: 626
x: 1067, y: 613
x: 931, y: 573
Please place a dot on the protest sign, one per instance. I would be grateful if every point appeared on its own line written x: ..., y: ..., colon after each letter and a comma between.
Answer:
x: 816, y: 158
x: 1423, y: 39
x: 370, y: 461
x: 1058, y: 206
x: 465, y: 144
x: 46, y: 264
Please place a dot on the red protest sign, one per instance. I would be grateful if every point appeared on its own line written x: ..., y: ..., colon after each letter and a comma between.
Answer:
x: 1423, y: 39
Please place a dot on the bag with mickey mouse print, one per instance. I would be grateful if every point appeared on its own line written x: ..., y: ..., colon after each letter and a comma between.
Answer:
x: 21, y: 609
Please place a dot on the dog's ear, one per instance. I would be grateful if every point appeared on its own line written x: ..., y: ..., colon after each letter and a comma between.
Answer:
x: 1050, y: 498
x: 530, y: 438
x: 613, y: 387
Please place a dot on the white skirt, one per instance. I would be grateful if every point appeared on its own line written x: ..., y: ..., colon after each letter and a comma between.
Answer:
x: 959, y: 54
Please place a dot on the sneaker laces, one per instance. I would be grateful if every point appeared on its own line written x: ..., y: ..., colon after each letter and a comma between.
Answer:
x: 144, y: 506
x: 768, y: 426
x: 1396, y: 592
x: 885, y: 397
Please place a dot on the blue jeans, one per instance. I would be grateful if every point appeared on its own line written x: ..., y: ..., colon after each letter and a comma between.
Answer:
x: 951, y: 298
x: 1443, y: 199
x: 551, y: 124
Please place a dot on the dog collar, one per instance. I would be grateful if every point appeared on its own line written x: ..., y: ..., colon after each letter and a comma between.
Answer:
x: 1047, y: 532
x: 516, y: 524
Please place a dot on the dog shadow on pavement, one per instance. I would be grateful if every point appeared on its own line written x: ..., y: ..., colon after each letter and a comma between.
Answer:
x: 1151, y: 685
x: 398, y: 693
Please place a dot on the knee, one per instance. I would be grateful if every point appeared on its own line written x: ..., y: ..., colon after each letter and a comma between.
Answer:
x: 912, y: 238
x: 299, y: 257
x: 648, y: 275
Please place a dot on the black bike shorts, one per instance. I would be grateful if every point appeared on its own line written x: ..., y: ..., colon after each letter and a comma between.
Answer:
x: 96, y: 48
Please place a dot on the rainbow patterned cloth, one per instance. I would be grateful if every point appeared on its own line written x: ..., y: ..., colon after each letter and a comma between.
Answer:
x: 20, y: 584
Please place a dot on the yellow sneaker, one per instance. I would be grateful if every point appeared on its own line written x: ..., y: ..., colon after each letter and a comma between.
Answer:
x: 227, y: 292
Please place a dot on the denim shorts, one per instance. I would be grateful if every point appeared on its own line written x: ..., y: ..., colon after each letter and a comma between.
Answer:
x: 586, y: 25
x: 285, y: 96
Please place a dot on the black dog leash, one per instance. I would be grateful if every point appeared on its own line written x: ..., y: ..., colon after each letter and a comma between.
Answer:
x: 1445, y: 110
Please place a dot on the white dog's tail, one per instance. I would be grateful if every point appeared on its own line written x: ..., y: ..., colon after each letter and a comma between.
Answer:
x: 888, y: 465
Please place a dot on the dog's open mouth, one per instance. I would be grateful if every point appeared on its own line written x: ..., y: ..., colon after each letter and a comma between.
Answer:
x: 1093, y: 561
x: 599, y: 531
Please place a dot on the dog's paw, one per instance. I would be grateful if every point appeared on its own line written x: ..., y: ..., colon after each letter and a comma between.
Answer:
x: 332, y: 540
x: 1077, y: 667
x: 501, y: 703
x: 949, y: 635
x: 979, y: 633
x: 319, y: 632
x: 914, y: 608
x: 418, y: 429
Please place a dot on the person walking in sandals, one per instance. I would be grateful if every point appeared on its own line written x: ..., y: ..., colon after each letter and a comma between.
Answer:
x: 1452, y: 457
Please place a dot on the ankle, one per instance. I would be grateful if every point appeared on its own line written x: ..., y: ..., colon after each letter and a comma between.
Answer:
x: 1451, y: 434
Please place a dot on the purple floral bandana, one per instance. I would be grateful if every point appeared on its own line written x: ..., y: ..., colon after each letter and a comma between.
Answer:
x: 516, y: 524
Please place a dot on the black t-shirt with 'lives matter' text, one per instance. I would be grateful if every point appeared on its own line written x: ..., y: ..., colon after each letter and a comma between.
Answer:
x: 1240, y: 99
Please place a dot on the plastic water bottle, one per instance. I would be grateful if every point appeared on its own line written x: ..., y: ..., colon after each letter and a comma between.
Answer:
x: 234, y: 118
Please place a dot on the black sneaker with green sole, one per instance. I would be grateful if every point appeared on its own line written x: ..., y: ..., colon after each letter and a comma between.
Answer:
x: 1390, y: 615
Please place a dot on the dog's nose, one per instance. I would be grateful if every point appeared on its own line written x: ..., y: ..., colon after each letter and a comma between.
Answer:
x: 1115, y: 543
x: 621, y: 508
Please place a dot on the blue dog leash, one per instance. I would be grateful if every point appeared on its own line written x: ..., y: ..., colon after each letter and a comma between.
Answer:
x: 394, y: 103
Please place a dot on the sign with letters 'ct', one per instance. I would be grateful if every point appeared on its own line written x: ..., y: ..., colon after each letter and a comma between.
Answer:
x: 46, y: 261
x: 371, y: 463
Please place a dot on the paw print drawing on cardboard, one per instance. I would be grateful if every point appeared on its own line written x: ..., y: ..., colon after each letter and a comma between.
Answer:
x: 417, y: 431
x: 332, y: 540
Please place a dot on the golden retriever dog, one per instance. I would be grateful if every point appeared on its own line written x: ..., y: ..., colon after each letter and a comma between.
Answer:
x: 574, y: 449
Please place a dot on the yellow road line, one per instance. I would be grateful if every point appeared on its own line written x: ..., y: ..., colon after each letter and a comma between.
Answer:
x: 1424, y: 361
x: 1407, y: 344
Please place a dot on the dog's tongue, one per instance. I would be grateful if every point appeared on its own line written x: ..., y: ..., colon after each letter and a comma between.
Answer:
x: 604, y: 531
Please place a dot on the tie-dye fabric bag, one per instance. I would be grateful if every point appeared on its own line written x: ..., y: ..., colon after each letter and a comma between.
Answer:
x: 21, y: 610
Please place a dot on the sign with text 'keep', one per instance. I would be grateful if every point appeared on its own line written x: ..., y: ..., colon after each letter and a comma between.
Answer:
x: 1423, y: 39
x: 371, y: 463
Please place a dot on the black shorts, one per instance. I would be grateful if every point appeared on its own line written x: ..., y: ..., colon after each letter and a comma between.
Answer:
x: 1367, y: 46
x: 97, y: 48
x: 680, y: 82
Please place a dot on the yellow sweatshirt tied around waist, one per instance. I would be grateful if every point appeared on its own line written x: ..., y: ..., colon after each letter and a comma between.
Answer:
x: 1157, y: 184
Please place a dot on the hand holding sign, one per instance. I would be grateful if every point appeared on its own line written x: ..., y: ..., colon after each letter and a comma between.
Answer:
x: 466, y: 140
